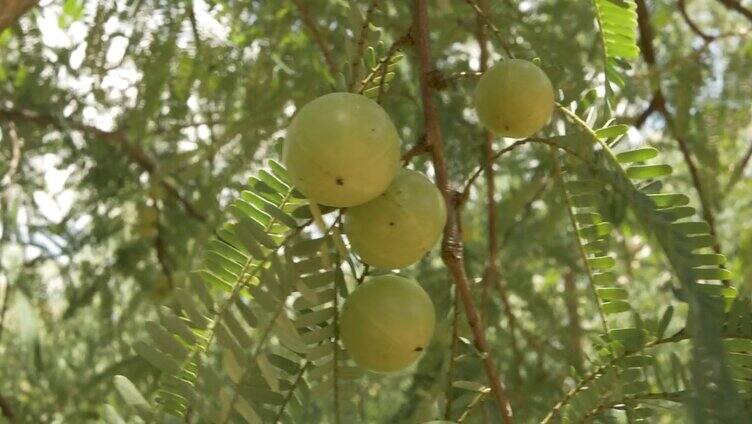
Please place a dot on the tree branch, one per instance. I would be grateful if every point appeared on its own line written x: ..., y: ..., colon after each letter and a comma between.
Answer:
x: 465, y: 193
x: 116, y: 139
x: 160, y: 246
x: 738, y: 171
x: 525, y: 214
x: 11, y: 10
x: 361, y: 42
x: 451, y: 250
x: 482, y: 13
x: 6, y: 410
x: 678, y: 397
x: 601, y: 369
x: 452, y: 359
x: 492, y: 274
x: 194, y: 26
x: 571, y: 298
x: 648, y: 51
x: 310, y: 23
x: 681, y: 4
x: 461, y: 75
x: 417, y: 149
x: 655, y: 104
x: 384, y: 63
x: 736, y: 6
x: 488, y: 153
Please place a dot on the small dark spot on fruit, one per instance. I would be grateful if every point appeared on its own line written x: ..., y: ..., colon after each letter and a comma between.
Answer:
x: 418, y: 349
x: 340, y: 181
x: 373, y: 129
x: 391, y: 224
x: 506, y: 127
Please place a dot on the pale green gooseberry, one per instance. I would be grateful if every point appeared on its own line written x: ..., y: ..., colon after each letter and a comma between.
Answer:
x: 397, y: 228
x: 341, y: 150
x: 386, y: 323
x: 514, y: 98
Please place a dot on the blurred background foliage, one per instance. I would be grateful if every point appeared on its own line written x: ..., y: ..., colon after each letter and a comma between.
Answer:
x: 126, y: 127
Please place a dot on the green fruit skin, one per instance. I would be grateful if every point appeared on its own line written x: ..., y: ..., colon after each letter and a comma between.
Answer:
x: 397, y: 228
x: 341, y: 150
x: 514, y: 98
x: 386, y: 323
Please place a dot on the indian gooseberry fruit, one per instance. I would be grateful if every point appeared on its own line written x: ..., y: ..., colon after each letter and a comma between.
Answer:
x: 341, y: 150
x: 398, y: 227
x: 386, y: 323
x: 514, y: 98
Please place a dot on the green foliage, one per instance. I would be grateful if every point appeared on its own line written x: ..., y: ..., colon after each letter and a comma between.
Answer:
x: 617, y: 23
x: 158, y: 266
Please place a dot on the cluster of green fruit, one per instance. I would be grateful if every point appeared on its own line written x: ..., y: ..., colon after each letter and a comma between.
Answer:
x: 342, y: 150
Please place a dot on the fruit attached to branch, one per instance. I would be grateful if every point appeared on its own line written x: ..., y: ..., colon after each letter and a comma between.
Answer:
x: 341, y: 150
x: 514, y: 98
x: 397, y: 228
x: 386, y: 323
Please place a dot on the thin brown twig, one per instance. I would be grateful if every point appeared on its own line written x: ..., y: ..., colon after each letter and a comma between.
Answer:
x: 451, y: 251
x: 462, y: 75
x: 678, y: 397
x: 336, y: 341
x: 545, y: 183
x: 163, y: 256
x: 571, y: 301
x: 11, y: 11
x: 310, y: 23
x: 452, y: 359
x: 503, y: 288
x: 117, y: 138
x: 707, y: 211
x: 6, y: 410
x: 418, y: 148
x: 360, y: 45
x: 501, y: 285
x: 492, y: 270
x: 657, y: 101
x: 291, y: 391
x: 477, y: 400
x: 736, y: 6
x: 465, y: 193
x: 648, y: 52
x: 738, y: 171
x: 601, y: 369
x: 194, y: 26
x: 484, y: 16
x: 681, y: 4
x: 653, y: 106
x: 515, y: 325
x: 384, y: 63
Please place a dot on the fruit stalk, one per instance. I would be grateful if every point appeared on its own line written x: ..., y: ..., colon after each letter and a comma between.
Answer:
x: 310, y: 23
x: 488, y: 139
x: 451, y: 246
x: 492, y: 275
